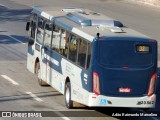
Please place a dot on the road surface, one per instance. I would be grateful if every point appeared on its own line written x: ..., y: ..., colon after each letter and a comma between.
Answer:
x: 19, y: 89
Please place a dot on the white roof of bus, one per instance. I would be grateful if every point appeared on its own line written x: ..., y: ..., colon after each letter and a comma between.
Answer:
x: 88, y: 32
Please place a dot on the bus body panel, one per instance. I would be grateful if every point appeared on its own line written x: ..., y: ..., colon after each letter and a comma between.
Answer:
x: 133, y: 74
x: 133, y: 102
x: 58, y: 69
x: 112, y: 79
x: 31, y: 56
x: 30, y: 62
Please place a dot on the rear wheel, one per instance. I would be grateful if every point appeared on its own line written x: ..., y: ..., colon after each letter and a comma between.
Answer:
x: 68, y: 101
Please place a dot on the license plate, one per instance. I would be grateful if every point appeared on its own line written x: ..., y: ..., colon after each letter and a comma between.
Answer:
x: 124, y: 90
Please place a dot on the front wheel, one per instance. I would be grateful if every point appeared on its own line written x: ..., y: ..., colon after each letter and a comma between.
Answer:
x: 68, y: 101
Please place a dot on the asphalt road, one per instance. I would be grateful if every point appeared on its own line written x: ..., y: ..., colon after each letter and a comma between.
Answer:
x: 19, y: 89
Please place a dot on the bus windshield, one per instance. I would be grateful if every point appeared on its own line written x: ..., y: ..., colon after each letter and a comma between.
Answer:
x: 124, y: 53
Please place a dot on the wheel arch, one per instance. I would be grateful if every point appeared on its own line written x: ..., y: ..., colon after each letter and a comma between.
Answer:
x: 36, y: 61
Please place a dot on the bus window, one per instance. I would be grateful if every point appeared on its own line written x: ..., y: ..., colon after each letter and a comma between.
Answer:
x: 63, y: 39
x: 63, y: 46
x: 48, y: 27
x: 33, y: 28
x: 82, y: 53
x: 56, y: 38
x: 47, y: 35
x: 40, y: 30
x: 73, y: 48
x: 41, y: 23
x: 33, y: 19
x: 89, y: 54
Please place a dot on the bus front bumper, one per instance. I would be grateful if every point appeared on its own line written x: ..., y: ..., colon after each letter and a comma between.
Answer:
x: 132, y: 102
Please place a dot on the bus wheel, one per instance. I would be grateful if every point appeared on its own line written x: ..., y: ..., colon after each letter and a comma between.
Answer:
x: 68, y: 101
x: 40, y: 81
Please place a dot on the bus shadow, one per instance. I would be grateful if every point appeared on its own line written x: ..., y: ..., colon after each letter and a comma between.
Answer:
x: 27, y: 96
x: 17, y: 15
x: 3, y: 31
x: 12, y: 39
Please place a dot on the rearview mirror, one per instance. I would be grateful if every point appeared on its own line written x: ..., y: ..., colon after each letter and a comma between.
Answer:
x: 27, y: 26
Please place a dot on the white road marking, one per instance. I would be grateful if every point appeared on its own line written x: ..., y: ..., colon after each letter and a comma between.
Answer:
x: 10, y: 80
x: 2, y: 5
x: 40, y: 100
x: 62, y: 116
x: 35, y: 97
x: 16, y: 39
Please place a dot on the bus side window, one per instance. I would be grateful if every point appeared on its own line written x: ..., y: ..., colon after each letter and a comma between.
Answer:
x: 56, y: 38
x: 73, y: 45
x: 82, y: 53
x: 47, y: 35
x: 89, y: 54
x: 41, y: 23
x: 32, y: 28
x: 40, y: 30
x: 64, y: 43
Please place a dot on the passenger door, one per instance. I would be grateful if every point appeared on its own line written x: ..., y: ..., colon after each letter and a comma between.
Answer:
x: 31, y: 42
x: 46, y: 53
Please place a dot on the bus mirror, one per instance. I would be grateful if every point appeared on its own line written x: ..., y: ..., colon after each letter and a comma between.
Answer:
x: 27, y: 26
x: 30, y: 42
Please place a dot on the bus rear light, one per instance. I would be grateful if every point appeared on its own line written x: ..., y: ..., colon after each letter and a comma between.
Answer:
x: 153, y: 99
x: 96, y: 85
x: 152, y: 85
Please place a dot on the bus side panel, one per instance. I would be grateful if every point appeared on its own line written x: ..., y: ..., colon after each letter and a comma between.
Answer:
x: 30, y: 63
x: 80, y: 89
x: 30, y: 59
x: 61, y: 69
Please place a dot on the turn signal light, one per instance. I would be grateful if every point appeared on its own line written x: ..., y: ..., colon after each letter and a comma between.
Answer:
x: 96, y: 85
x: 152, y: 85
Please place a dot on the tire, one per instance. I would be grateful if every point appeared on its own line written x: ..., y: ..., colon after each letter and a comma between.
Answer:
x: 68, y: 101
x: 38, y: 73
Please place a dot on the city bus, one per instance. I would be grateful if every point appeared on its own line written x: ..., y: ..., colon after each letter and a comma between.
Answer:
x: 92, y: 59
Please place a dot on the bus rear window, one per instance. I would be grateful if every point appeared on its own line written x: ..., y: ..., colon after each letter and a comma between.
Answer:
x: 124, y: 53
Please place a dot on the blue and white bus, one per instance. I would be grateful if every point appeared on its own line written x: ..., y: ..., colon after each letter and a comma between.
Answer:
x: 91, y: 58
